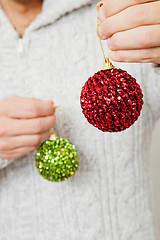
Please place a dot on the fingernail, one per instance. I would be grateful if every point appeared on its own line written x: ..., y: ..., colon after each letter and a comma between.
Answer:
x: 101, y: 15
x: 49, y: 101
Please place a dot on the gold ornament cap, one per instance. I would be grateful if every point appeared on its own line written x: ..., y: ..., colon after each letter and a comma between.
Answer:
x: 53, y: 136
x: 107, y: 65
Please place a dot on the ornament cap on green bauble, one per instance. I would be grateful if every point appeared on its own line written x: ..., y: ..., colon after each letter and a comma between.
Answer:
x: 56, y: 159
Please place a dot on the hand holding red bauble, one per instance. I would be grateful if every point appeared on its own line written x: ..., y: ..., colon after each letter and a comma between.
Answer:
x: 111, y: 99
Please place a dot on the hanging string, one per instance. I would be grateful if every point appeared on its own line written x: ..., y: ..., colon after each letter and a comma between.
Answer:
x: 108, y: 64
x: 106, y: 59
x: 57, y: 107
x: 100, y: 39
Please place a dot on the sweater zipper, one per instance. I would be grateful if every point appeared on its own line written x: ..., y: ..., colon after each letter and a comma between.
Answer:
x: 21, y: 49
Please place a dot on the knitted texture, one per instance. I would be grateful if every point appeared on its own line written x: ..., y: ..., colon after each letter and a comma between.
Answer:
x: 108, y: 197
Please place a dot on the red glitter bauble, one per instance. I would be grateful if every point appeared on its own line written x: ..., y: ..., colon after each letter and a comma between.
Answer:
x: 111, y: 100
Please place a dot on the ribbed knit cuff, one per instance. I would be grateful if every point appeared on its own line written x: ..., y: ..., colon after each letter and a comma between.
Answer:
x: 156, y: 67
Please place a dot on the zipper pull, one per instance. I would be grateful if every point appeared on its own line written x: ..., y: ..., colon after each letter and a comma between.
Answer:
x: 20, y: 47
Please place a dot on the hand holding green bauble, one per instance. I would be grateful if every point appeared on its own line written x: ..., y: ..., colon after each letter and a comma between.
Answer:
x: 56, y: 159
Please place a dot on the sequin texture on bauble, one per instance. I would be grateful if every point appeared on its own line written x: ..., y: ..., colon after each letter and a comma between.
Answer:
x: 57, y: 160
x: 111, y: 100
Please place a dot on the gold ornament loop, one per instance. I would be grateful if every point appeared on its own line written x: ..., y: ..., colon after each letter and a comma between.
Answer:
x: 53, y: 135
x: 100, y: 39
x: 107, y: 65
x: 99, y: 5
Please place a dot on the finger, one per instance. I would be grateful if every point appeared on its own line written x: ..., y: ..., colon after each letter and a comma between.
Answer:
x: 16, y: 153
x: 12, y: 127
x: 27, y: 99
x: 14, y: 142
x: 112, y: 7
x: 19, y: 107
x: 150, y: 55
x: 131, y: 17
x: 137, y: 38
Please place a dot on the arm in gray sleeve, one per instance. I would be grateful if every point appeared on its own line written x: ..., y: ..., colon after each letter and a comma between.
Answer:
x: 156, y: 67
x: 151, y: 73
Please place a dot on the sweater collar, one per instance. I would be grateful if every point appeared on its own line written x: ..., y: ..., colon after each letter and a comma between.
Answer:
x: 52, y: 10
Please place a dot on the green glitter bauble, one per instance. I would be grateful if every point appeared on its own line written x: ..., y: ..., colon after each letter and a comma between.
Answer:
x: 57, y: 160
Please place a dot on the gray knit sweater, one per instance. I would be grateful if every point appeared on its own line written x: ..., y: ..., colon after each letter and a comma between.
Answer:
x: 109, y: 196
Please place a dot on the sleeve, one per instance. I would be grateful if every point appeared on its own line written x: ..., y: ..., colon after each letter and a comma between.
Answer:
x: 151, y: 73
x: 5, y: 162
x: 156, y: 68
